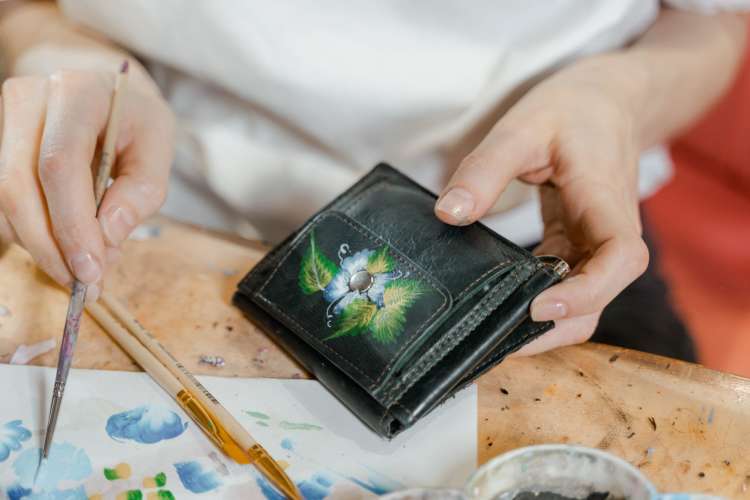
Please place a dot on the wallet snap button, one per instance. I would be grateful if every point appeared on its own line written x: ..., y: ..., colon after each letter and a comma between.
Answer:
x: 361, y: 281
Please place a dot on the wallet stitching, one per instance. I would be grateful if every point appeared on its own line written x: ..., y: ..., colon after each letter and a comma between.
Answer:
x: 483, y: 367
x: 484, y: 274
x: 449, y: 342
x: 304, y: 331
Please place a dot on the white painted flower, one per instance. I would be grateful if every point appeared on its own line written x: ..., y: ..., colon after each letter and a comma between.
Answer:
x: 338, y: 290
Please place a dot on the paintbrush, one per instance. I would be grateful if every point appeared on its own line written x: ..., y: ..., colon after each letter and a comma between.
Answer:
x: 215, y: 421
x: 78, y: 294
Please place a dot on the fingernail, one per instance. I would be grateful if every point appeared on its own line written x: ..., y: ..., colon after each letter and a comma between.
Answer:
x: 92, y: 293
x: 457, y: 204
x: 117, y: 224
x: 548, y: 310
x: 86, y: 268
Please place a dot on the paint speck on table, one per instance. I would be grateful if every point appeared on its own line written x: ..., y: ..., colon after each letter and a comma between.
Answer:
x: 195, y: 478
x: 260, y: 357
x: 710, y: 419
x: 215, y: 361
x: 4, y: 311
x: 26, y: 353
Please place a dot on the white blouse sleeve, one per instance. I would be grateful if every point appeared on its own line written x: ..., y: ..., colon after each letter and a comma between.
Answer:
x: 710, y: 6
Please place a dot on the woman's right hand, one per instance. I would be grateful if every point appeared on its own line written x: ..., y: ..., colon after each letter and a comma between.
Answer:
x: 51, y: 127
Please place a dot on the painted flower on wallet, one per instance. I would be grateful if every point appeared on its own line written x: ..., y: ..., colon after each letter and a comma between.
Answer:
x: 365, y: 292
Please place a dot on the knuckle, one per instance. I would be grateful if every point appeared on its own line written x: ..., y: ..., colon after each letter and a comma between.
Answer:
x: 473, y: 161
x: 51, y: 163
x: 157, y: 195
x: 8, y: 198
x: 20, y: 89
x: 637, y: 256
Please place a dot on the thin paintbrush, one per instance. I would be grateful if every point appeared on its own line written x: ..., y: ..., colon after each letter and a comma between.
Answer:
x: 218, y: 424
x: 78, y: 294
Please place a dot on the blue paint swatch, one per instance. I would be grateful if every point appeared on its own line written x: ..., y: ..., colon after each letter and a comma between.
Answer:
x: 316, y: 488
x: 11, y: 436
x: 65, y: 464
x: 20, y: 493
x: 16, y: 492
x: 371, y: 486
x: 145, y: 424
x: 287, y: 444
x: 195, y: 479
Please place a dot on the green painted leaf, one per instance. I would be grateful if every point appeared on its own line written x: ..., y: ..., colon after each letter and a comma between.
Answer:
x: 316, y: 270
x: 380, y: 261
x: 354, y: 318
x: 389, y: 321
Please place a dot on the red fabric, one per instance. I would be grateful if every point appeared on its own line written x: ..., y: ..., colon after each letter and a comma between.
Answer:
x: 702, y: 223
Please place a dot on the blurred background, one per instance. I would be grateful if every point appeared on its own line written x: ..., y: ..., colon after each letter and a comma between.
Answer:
x: 701, y: 222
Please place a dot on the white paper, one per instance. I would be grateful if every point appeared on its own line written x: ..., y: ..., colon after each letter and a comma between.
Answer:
x: 329, y: 452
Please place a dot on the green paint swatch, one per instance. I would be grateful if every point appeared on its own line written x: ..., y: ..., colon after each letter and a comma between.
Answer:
x: 134, y: 495
x: 110, y: 474
x: 257, y: 414
x: 261, y: 423
x: 160, y: 479
x: 165, y: 495
x: 301, y: 426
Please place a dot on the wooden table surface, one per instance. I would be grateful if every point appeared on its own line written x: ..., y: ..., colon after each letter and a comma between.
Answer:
x: 684, y: 426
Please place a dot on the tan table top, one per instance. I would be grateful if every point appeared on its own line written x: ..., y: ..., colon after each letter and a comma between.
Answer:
x: 683, y: 425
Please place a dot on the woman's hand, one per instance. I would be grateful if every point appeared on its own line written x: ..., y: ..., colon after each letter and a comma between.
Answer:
x: 577, y: 139
x: 578, y: 135
x: 51, y: 129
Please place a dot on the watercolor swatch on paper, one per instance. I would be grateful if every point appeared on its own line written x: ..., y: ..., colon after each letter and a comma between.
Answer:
x: 145, y: 424
x: 195, y: 478
x: 12, y: 435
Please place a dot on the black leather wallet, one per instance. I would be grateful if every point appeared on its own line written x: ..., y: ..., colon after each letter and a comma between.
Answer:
x: 391, y: 309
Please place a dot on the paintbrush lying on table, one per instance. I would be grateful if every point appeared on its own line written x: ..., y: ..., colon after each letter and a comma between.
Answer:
x: 205, y: 410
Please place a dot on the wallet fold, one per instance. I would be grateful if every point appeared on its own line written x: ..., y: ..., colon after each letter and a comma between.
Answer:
x: 388, y: 307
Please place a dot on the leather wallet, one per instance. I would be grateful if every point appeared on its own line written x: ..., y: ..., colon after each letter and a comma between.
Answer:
x: 388, y: 307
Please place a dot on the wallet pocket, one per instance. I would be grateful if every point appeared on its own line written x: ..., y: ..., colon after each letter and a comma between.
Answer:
x: 358, y: 300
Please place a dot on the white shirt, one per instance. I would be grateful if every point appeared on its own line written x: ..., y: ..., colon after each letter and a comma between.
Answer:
x: 283, y: 104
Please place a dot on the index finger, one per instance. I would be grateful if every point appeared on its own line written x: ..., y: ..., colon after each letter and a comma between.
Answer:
x: 76, y: 114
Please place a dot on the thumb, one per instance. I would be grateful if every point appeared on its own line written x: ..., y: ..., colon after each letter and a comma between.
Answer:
x: 484, y: 174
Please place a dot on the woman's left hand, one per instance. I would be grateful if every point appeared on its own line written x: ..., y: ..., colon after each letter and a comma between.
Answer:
x: 575, y: 135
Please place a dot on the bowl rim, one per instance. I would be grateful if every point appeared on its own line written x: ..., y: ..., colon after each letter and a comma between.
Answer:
x: 537, y: 448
